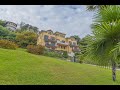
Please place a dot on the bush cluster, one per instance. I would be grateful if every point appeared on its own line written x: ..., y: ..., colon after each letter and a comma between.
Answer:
x: 7, y: 44
x: 35, y: 49
x: 52, y: 54
x: 65, y: 55
x: 26, y: 38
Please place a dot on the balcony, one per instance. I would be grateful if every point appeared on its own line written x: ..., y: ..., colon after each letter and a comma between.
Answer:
x: 50, y: 40
x: 62, y: 43
x: 50, y: 46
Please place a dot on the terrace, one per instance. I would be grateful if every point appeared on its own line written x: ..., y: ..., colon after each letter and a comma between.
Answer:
x: 62, y: 43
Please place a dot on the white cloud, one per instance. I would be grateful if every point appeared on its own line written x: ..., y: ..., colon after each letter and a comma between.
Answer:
x: 69, y: 19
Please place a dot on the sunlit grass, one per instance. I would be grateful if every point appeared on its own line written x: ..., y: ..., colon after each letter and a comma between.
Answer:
x: 20, y: 67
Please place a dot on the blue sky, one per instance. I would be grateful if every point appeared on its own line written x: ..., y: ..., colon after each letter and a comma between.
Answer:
x: 69, y: 19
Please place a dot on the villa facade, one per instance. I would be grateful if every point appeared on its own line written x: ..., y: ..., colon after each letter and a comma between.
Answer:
x: 11, y: 25
x: 57, y: 41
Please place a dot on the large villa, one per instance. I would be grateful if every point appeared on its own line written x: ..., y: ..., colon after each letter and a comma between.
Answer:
x: 57, y: 41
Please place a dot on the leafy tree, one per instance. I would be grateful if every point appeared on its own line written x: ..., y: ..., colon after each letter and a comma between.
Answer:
x: 27, y: 27
x: 77, y: 38
x: 83, y: 44
x: 22, y: 24
x: 2, y: 22
x: 3, y: 31
x: 6, y: 34
x: 106, y: 37
x: 26, y: 38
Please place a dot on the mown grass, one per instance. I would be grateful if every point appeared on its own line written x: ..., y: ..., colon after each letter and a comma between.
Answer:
x: 21, y: 68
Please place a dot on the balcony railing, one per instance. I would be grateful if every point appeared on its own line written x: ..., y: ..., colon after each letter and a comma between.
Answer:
x: 50, y: 46
x: 62, y: 43
x: 50, y: 40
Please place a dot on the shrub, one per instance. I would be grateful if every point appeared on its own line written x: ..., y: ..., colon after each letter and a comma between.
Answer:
x: 7, y: 44
x: 3, y: 31
x: 52, y: 54
x: 7, y: 34
x: 118, y: 65
x: 26, y: 38
x: 35, y: 49
x: 65, y: 55
x: 80, y: 61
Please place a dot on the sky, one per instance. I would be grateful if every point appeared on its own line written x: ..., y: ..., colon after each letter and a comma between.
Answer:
x: 68, y: 19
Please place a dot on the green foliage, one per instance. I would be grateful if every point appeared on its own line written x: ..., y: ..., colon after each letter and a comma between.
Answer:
x: 6, y: 34
x: 35, y: 49
x: 106, y: 35
x: 2, y: 23
x: 109, y: 14
x: 83, y: 48
x: 84, y: 43
x: 27, y: 27
x: 7, y: 44
x: 19, y: 67
x: 52, y: 54
x: 3, y: 31
x: 65, y: 54
x: 26, y: 38
x: 96, y: 7
x: 77, y: 38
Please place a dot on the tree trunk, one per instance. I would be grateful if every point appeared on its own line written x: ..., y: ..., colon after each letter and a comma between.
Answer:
x: 114, y: 71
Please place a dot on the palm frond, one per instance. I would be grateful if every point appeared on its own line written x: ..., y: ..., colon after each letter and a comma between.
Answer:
x: 115, y: 52
x: 91, y: 7
x: 108, y: 14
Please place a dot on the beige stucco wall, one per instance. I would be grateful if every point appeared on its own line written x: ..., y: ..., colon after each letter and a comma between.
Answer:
x: 41, y: 41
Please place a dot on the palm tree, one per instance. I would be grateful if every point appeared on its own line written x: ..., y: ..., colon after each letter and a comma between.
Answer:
x: 105, y: 41
x: 95, y: 7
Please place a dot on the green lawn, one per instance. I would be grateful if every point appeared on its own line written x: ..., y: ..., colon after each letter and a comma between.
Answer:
x: 20, y: 67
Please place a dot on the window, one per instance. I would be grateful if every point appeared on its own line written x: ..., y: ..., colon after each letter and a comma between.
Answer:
x: 45, y: 37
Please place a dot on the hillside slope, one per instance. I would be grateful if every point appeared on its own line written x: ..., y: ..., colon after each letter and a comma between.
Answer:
x: 20, y: 67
